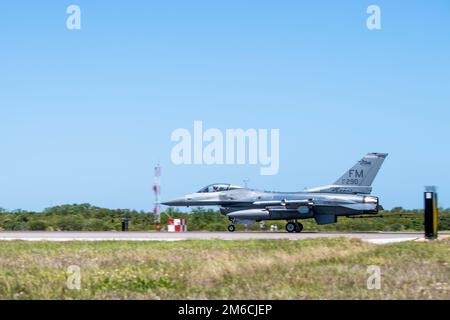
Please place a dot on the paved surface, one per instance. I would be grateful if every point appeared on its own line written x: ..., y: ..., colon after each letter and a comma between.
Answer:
x: 373, y: 237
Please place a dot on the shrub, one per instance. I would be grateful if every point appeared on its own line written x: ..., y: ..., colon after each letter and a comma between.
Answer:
x: 96, y: 225
x: 37, y: 225
x: 70, y: 224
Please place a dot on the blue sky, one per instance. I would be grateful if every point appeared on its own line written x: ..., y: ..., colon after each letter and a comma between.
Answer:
x: 85, y: 114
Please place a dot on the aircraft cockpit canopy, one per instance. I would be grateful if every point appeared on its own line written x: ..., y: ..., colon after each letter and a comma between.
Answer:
x: 218, y: 187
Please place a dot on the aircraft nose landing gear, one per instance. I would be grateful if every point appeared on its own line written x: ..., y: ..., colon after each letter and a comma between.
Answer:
x: 231, y: 228
x: 292, y: 227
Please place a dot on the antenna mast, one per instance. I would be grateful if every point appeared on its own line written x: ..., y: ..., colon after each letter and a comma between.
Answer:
x: 157, y: 192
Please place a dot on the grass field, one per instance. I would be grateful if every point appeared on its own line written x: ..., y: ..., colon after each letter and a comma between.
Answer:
x: 255, y: 269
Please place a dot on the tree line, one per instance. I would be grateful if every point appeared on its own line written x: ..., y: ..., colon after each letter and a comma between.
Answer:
x: 86, y: 217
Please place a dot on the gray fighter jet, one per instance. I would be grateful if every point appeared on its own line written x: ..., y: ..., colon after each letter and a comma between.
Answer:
x: 349, y: 195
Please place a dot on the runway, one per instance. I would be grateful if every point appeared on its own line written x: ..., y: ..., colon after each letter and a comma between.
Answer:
x: 372, y: 237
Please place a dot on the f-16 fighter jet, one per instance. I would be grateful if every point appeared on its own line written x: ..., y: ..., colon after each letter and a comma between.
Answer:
x: 348, y: 196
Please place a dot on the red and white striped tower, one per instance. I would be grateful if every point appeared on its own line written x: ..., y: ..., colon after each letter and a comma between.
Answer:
x: 157, y: 192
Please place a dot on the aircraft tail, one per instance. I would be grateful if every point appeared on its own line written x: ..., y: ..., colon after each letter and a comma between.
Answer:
x: 357, y: 180
x: 364, y: 172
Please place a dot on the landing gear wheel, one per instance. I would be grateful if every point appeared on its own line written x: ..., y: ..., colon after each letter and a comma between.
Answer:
x: 231, y: 228
x: 290, y: 227
x: 298, y: 227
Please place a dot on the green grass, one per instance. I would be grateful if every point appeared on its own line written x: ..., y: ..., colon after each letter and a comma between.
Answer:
x: 244, y: 269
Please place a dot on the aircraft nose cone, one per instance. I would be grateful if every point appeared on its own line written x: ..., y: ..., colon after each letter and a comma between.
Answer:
x: 174, y: 202
x: 168, y: 203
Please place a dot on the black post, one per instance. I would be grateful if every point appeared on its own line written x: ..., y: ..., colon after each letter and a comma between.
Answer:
x: 125, y: 224
x: 431, y: 214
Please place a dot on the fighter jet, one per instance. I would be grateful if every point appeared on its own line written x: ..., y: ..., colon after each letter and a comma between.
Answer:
x: 348, y: 196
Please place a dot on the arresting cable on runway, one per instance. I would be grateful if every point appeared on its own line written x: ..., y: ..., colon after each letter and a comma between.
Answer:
x: 431, y: 216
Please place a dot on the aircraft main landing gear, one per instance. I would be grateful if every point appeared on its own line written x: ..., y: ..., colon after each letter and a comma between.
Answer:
x: 292, y: 227
x: 231, y: 228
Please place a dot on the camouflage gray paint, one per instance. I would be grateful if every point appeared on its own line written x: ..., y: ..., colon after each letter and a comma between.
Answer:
x: 349, y: 195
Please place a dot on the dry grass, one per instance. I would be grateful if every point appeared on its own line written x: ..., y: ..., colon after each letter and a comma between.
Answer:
x: 247, y: 269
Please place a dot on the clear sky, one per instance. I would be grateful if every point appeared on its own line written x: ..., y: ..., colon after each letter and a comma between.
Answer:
x: 85, y: 114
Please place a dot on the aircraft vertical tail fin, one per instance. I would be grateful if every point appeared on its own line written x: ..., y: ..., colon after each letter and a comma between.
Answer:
x: 364, y: 172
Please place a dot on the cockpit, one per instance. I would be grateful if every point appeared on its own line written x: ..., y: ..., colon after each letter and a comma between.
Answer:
x: 218, y: 187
